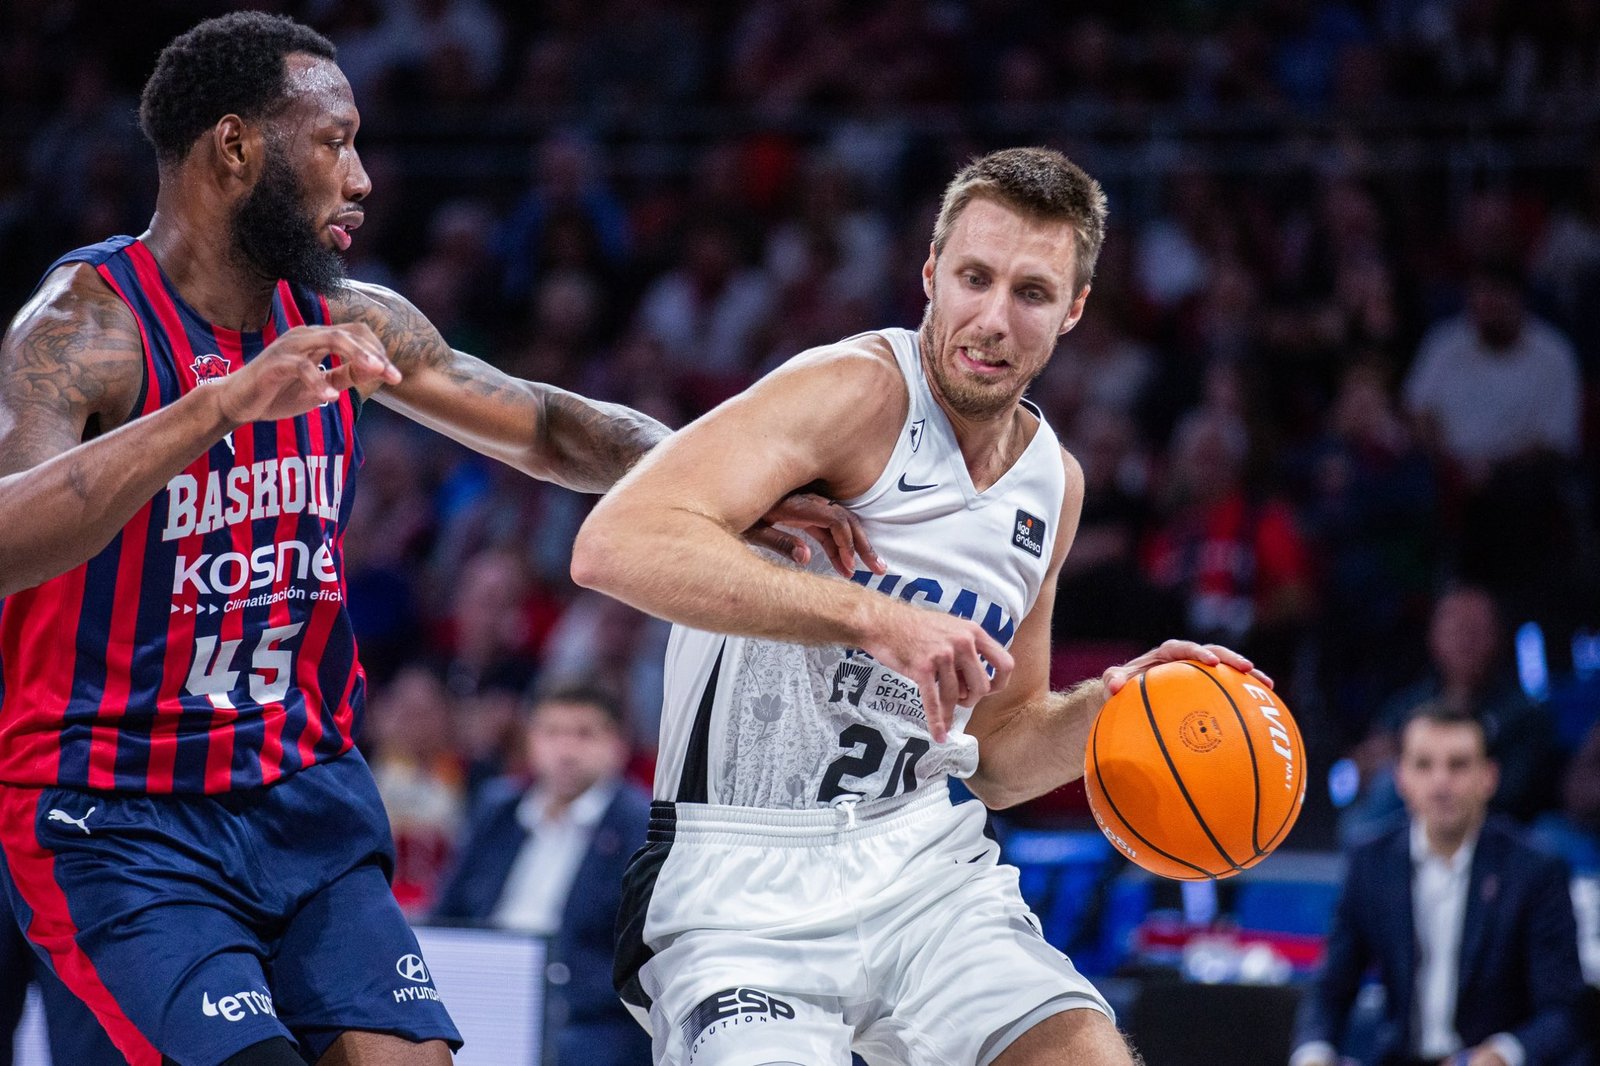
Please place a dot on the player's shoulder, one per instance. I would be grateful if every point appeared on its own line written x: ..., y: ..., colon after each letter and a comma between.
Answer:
x: 74, y: 294
x: 865, y: 360
x: 74, y: 340
x: 848, y: 384
x: 1072, y: 470
x: 359, y: 301
x: 1072, y: 486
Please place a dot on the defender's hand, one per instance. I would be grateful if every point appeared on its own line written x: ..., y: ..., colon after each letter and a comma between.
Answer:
x: 287, y: 378
x: 945, y: 656
x: 1174, y: 650
x: 836, y: 528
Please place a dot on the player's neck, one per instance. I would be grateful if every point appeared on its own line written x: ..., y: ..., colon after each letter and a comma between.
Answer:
x: 1445, y: 842
x: 197, y: 258
x: 989, y: 446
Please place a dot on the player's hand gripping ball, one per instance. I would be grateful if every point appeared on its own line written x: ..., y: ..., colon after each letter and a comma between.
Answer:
x: 1195, y: 771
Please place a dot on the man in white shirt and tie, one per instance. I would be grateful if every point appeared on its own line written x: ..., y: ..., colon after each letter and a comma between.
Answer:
x: 548, y: 858
x: 1471, y: 931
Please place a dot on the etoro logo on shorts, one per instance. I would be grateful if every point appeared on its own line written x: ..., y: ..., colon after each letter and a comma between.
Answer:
x: 238, y: 1006
x: 731, y: 1007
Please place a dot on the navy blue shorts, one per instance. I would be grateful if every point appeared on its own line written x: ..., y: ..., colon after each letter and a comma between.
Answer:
x: 194, y: 927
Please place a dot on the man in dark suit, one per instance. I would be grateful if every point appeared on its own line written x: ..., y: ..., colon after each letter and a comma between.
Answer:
x: 548, y: 858
x: 1470, y: 930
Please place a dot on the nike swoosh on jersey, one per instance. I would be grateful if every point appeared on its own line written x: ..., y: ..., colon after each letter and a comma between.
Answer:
x: 904, y: 487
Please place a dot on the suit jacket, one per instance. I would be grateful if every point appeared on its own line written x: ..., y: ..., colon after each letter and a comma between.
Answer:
x: 1519, y: 949
x: 587, y: 1020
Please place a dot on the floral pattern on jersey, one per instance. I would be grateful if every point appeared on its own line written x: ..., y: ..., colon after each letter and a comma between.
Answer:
x: 787, y: 709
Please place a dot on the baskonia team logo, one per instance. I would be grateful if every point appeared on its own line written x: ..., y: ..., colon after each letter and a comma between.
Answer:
x: 209, y: 369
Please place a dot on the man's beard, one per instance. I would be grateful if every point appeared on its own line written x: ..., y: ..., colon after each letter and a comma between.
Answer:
x: 278, y: 238
x: 966, y: 397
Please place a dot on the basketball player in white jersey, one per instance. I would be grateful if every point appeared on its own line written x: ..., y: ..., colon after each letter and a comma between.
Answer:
x: 808, y: 887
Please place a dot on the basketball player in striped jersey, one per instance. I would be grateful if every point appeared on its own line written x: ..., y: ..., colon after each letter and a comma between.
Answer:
x: 188, y: 836
x: 808, y: 887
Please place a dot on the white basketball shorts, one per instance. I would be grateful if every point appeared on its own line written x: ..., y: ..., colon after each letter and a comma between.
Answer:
x: 750, y: 937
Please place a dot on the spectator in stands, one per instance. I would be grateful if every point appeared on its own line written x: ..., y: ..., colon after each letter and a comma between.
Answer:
x: 495, y: 623
x: 1470, y: 929
x: 707, y: 312
x: 1582, y: 792
x: 420, y: 776
x: 568, y: 193
x: 1240, y: 563
x: 1574, y: 831
x: 1103, y: 566
x: 1496, y: 382
x: 617, y: 647
x: 1369, y: 511
x: 1470, y: 674
x: 489, y: 730
x: 548, y: 858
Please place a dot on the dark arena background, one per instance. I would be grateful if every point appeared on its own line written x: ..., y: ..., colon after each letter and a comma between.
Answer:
x: 1323, y: 214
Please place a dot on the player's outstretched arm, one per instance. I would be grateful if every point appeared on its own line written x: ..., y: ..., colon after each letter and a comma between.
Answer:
x: 547, y: 432
x: 1030, y: 739
x: 544, y: 431
x: 72, y: 362
x: 665, y: 539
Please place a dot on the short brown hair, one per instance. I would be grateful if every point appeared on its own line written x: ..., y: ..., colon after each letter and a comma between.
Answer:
x: 583, y: 693
x: 1436, y: 712
x: 1039, y: 182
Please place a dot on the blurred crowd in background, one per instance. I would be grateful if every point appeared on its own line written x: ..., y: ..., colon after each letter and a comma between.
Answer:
x: 1334, y: 392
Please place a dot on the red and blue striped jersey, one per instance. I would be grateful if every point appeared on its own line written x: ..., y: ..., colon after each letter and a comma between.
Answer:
x: 207, y: 648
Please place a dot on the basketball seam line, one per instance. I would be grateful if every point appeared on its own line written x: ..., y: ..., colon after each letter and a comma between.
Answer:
x: 1255, y: 771
x: 1150, y: 715
x: 1094, y: 743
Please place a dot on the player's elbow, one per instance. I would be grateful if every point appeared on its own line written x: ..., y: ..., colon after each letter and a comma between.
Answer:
x: 994, y: 794
x: 593, y: 554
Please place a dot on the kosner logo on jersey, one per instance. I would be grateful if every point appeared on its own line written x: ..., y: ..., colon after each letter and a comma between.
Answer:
x: 267, y: 489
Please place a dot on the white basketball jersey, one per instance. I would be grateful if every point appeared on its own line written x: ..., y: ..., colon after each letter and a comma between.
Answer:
x: 761, y: 723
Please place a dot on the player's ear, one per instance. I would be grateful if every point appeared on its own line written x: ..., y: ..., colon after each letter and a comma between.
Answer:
x: 927, y: 271
x: 235, y: 146
x: 1076, y: 311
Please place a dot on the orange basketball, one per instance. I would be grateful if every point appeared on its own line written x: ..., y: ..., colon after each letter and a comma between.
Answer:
x: 1195, y: 771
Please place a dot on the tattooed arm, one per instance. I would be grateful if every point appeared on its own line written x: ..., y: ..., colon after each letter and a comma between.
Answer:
x: 539, y: 429
x: 75, y: 464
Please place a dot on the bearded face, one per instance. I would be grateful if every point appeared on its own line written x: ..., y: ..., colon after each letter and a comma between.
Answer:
x: 276, y: 234
x: 1000, y: 295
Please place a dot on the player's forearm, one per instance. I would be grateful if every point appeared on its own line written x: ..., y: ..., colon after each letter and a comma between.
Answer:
x: 58, y: 514
x: 587, y: 445
x: 1038, y: 748
x: 689, y: 569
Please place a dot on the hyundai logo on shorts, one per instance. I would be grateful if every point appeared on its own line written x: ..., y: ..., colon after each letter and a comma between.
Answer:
x: 412, y: 968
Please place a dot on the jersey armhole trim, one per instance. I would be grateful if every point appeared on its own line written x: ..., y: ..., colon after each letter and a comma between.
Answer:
x: 886, y: 477
x: 694, y: 780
